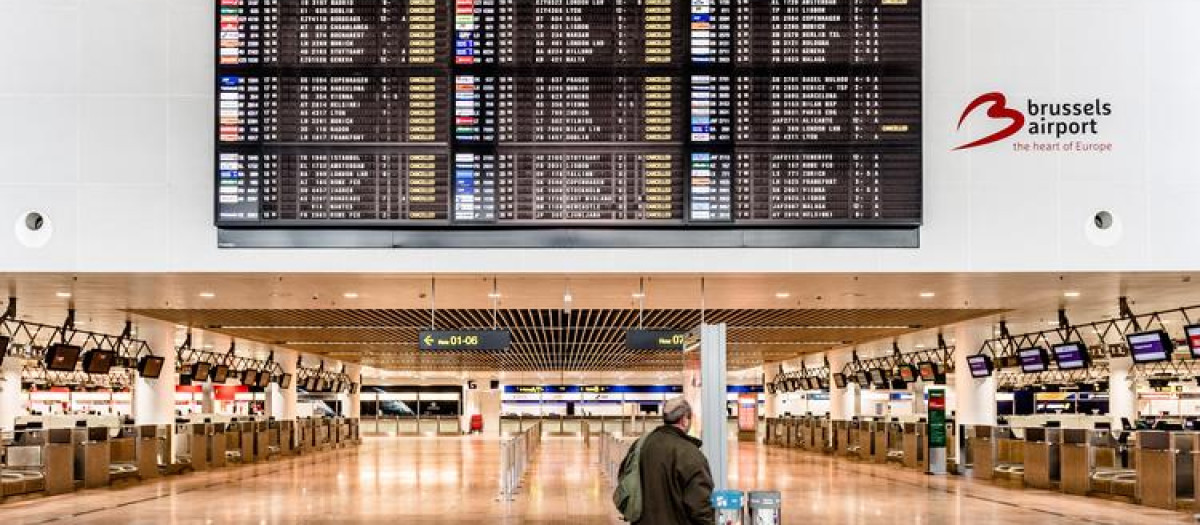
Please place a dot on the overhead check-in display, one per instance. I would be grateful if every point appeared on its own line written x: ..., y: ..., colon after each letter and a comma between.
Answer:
x: 460, y: 115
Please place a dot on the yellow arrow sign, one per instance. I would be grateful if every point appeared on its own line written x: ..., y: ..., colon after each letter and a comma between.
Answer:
x: 429, y: 339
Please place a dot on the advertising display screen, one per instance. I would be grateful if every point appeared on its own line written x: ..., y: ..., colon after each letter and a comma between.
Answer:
x: 929, y: 370
x: 62, y: 358
x: 908, y: 373
x: 1193, y: 339
x: 98, y: 361
x: 1033, y: 360
x: 1071, y: 356
x: 150, y: 367
x: 980, y: 365
x: 1150, y: 347
x: 433, y: 115
x: 839, y: 380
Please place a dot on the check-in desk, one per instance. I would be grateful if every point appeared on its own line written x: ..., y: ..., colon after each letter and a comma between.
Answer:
x: 879, y: 438
x: 1077, y: 461
x: 841, y: 438
x: 895, y: 441
x: 864, y: 439
x: 92, y: 456
x: 287, y: 437
x: 217, y: 445
x: 1010, y: 454
x: 246, y: 440
x: 982, y: 442
x: 148, y: 452
x: 59, y: 460
x: 1041, y: 454
x: 262, y: 440
x: 200, y: 435
x: 123, y: 458
x: 1164, y: 468
x: 915, y: 456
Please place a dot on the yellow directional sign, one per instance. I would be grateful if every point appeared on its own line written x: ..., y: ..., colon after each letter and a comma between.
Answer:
x: 463, y: 339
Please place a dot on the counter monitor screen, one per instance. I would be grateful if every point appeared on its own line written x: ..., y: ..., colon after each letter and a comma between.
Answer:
x: 877, y: 376
x: 980, y: 365
x: 1034, y: 360
x: 1193, y: 339
x: 4, y: 340
x: 929, y: 370
x: 908, y: 373
x: 201, y: 370
x: 839, y: 380
x: 150, y: 367
x: 98, y: 361
x: 249, y: 377
x: 1150, y: 347
x: 624, y: 122
x: 220, y: 374
x: 62, y: 358
x: 864, y: 378
x: 264, y: 379
x: 1071, y: 356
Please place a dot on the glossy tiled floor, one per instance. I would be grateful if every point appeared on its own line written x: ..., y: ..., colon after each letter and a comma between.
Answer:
x: 429, y: 480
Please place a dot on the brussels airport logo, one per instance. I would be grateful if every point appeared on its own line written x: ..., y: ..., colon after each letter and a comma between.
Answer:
x: 1071, y: 127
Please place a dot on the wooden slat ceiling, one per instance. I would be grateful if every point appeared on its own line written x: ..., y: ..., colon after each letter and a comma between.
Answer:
x: 553, y: 340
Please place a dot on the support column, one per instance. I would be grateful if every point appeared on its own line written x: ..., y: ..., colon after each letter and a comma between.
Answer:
x: 773, y: 406
x: 843, y: 402
x: 11, y: 404
x: 354, y: 400
x: 154, y: 399
x: 281, y: 402
x: 711, y: 413
x: 973, y: 400
x: 1122, y: 391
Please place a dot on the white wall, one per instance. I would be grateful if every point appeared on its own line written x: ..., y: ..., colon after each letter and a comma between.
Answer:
x: 107, y: 129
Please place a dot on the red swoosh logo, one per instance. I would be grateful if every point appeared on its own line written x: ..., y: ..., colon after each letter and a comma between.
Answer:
x: 997, y: 109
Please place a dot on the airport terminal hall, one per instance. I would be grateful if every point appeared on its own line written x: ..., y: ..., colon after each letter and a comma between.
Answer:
x: 599, y: 262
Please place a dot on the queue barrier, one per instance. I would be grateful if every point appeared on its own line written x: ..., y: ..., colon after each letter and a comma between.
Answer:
x: 613, y: 448
x: 516, y: 454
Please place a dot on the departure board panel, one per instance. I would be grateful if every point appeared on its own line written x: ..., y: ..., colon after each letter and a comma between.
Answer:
x: 551, y: 114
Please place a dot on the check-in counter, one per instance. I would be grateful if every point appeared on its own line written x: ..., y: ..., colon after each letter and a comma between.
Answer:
x: 199, y: 437
x: 92, y: 456
x: 262, y: 440
x: 123, y: 460
x: 59, y: 460
x: 864, y: 439
x: 915, y: 456
x: 841, y: 438
x: 246, y: 441
x: 1010, y: 454
x: 982, y: 442
x: 287, y: 437
x: 1077, y: 461
x: 1164, y: 468
x: 895, y: 441
x: 879, y: 437
x: 218, y: 445
x: 1041, y: 454
x: 148, y: 452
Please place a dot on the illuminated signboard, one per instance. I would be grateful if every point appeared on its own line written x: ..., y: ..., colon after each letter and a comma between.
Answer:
x: 655, y: 339
x: 463, y: 339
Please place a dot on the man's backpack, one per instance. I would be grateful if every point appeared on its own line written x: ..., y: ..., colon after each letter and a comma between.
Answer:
x: 628, y: 494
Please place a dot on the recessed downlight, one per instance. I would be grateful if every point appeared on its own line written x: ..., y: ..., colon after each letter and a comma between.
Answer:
x: 927, y: 295
x: 1070, y: 294
x: 782, y: 295
x: 350, y: 295
x: 62, y: 295
x: 207, y: 295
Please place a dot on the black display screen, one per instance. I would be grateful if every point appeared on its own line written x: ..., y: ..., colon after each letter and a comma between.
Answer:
x: 534, y: 114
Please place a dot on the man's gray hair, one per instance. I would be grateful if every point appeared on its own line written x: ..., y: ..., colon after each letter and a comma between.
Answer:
x: 676, y: 409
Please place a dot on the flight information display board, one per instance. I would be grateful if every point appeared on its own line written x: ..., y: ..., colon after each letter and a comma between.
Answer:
x: 537, y: 114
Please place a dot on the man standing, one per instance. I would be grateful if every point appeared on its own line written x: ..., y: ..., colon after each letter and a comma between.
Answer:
x: 676, y: 481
